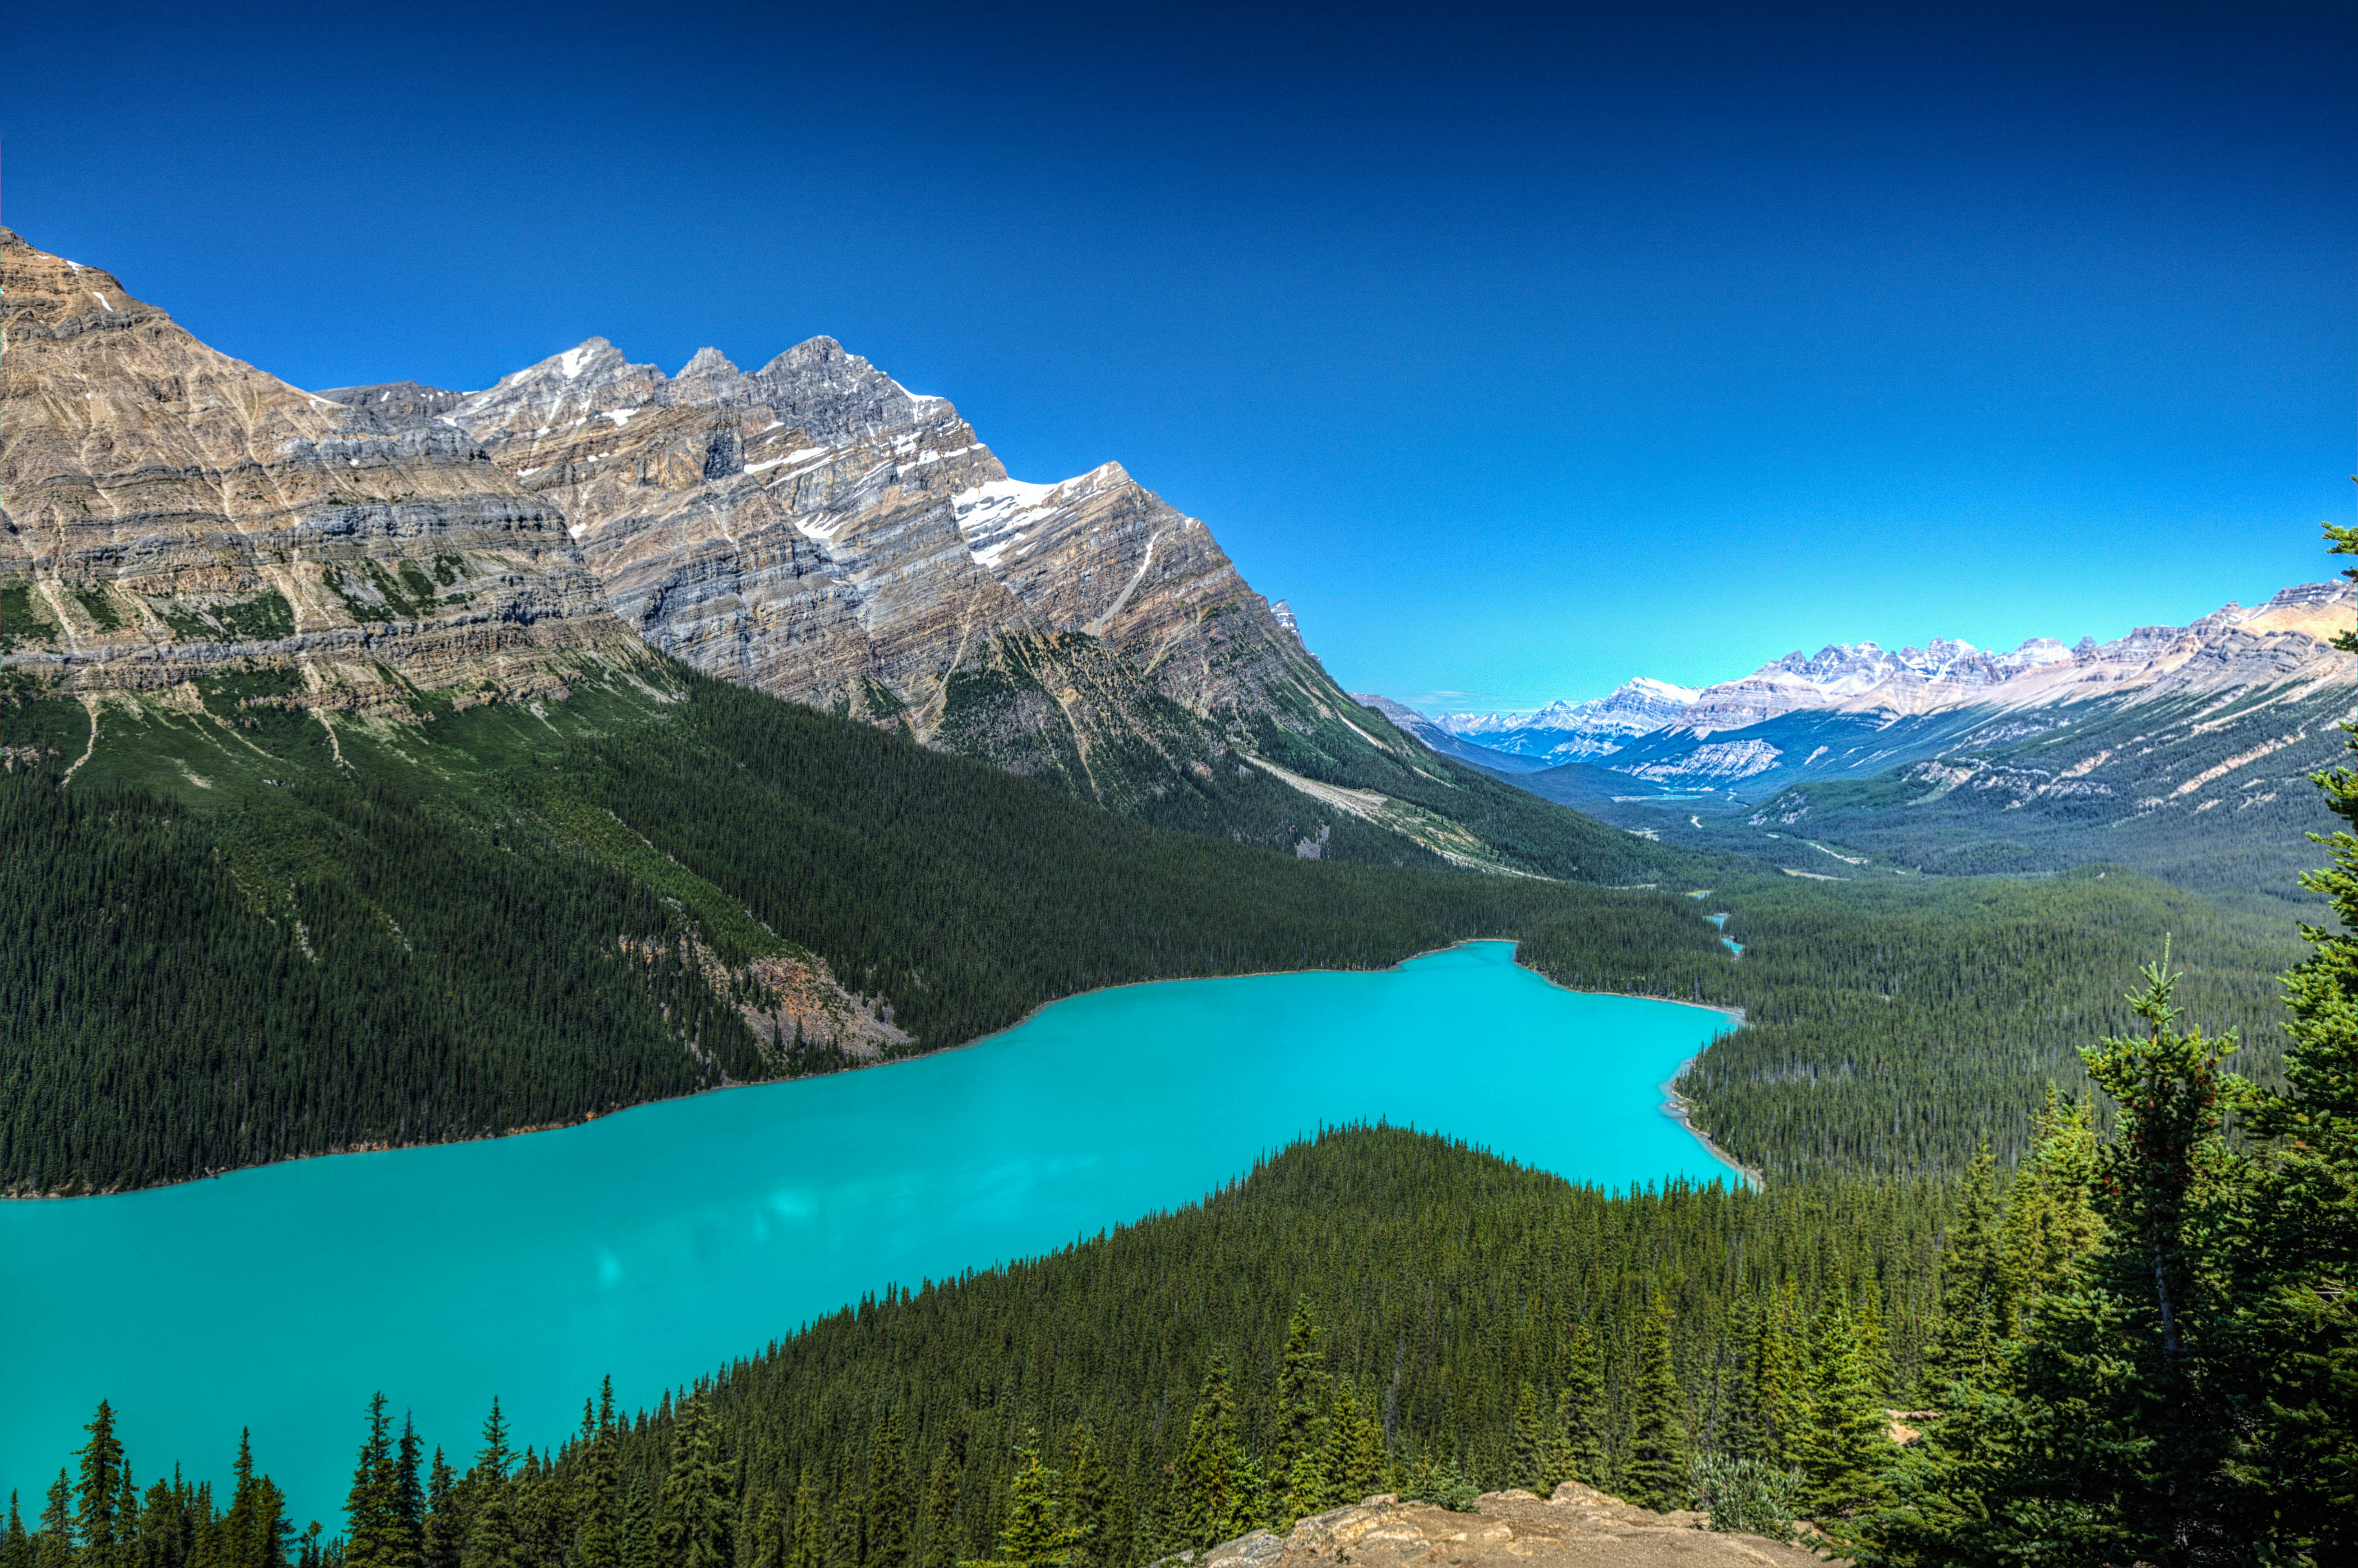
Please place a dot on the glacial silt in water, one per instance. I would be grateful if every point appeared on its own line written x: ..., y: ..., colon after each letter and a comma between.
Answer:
x: 662, y: 1242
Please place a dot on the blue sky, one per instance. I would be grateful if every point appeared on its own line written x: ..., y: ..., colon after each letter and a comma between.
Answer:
x: 1523, y: 350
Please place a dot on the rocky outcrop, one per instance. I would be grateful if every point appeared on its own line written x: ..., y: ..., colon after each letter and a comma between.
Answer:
x: 165, y: 508
x: 1576, y: 1527
x: 396, y: 397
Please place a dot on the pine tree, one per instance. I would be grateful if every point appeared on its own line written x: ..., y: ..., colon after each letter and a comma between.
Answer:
x: 846, y: 1544
x: 54, y: 1546
x: 696, y: 1527
x: 1213, y: 1487
x: 1581, y: 1408
x: 1739, y: 1435
x: 408, y: 1501
x: 1780, y: 1378
x: 98, y: 1497
x: 1660, y: 1461
x: 1036, y: 1533
x: 1300, y: 1457
x: 639, y: 1524
x: 1086, y: 1500
x: 1526, y: 1461
x: 443, y: 1540
x: 2292, y: 1265
x: 492, y: 1460
x: 1842, y: 1447
x: 807, y: 1547
x: 372, y: 1534
x: 492, y: 1541
x: 16, y: 1545
x: 1355, y: 1449
x: 888, y: 1495
x: 1966, y: 1336
x: 599, y: 1502
x: 769, y: 1537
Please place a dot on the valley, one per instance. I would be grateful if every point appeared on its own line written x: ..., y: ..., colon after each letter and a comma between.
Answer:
x: 388, y: 770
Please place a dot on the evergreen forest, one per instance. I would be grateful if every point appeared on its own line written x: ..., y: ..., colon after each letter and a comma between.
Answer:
x: 2052, y: 1263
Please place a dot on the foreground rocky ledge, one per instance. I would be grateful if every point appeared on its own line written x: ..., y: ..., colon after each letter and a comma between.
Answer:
x: 1576, y: 1526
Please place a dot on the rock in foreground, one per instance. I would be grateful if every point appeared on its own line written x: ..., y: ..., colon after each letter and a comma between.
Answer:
x: 1576, y: 1528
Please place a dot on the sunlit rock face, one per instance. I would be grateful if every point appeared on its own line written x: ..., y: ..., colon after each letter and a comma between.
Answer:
x: 165, y: 509
x: 814, y: 529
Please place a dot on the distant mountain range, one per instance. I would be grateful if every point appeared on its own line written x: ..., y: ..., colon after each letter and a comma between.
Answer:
x: 1950, y: 757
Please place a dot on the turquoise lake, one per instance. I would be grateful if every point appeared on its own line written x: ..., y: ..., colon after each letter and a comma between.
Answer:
x: 659, y: 1243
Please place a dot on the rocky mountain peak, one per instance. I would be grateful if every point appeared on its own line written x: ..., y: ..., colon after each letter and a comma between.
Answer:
x: 819, y: 388
x: 706, y: 361
x: 165, y: 508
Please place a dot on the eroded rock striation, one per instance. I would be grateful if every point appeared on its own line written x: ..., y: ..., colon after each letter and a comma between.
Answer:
x: 165, y: 509
x: 815, y: 530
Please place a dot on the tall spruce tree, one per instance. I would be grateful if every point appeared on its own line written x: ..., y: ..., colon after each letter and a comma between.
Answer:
x: 944, y: 1540
x: 847, y: 1545
x: 639, y: 1523
x: 491, y: 1539
x: 408, y: 1501
x: 103, y: 1533
x: 371, y: 1531
x: 1036, y: 1533
x: 1212, y: 1483
x: 1299, y: 1459
x: 1086, y: 1503
x: 598, y: 1500
x: 1355, y: 1448
x: 53, y: 1547
x: 443, y: 1540
x: 1966, y: 1334
x: 1660, y: 1460
x: 1844, y: 1446
x: 1580, y: 1407
x: 2295, y: 1258
x: 1527, y: 1454
x: 889, y: 1502
x: 768, y: 1542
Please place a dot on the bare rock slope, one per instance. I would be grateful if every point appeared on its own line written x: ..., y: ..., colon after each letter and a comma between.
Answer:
x: 165, y: 509
x: 815, y: 530
x: 1576, y: 1528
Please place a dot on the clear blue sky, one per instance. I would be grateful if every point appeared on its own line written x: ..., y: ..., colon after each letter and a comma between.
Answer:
x: 1524, y: 351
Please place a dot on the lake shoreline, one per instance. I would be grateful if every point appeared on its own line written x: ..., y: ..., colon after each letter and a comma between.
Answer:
x: 1675, y: 1106
x: 1680, y: 1110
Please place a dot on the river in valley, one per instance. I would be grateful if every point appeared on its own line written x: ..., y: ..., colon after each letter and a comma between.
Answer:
x: 662, y: 1242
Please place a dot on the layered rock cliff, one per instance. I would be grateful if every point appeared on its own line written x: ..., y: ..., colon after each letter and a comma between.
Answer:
x: 815, y: 530
x: 165, y: 508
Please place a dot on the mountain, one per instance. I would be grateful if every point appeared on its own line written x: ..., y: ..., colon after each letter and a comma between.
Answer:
x: 813, y: 530
x: 314, y: 718
x: 1567, y: 731
x: 1408, y: 721
x: 2183, y: 751
x: 168, y: 512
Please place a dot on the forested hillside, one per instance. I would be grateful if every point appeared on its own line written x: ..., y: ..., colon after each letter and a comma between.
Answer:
x: 1893, y: 1026
x: 240, y: 930
x: 293, y: 931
